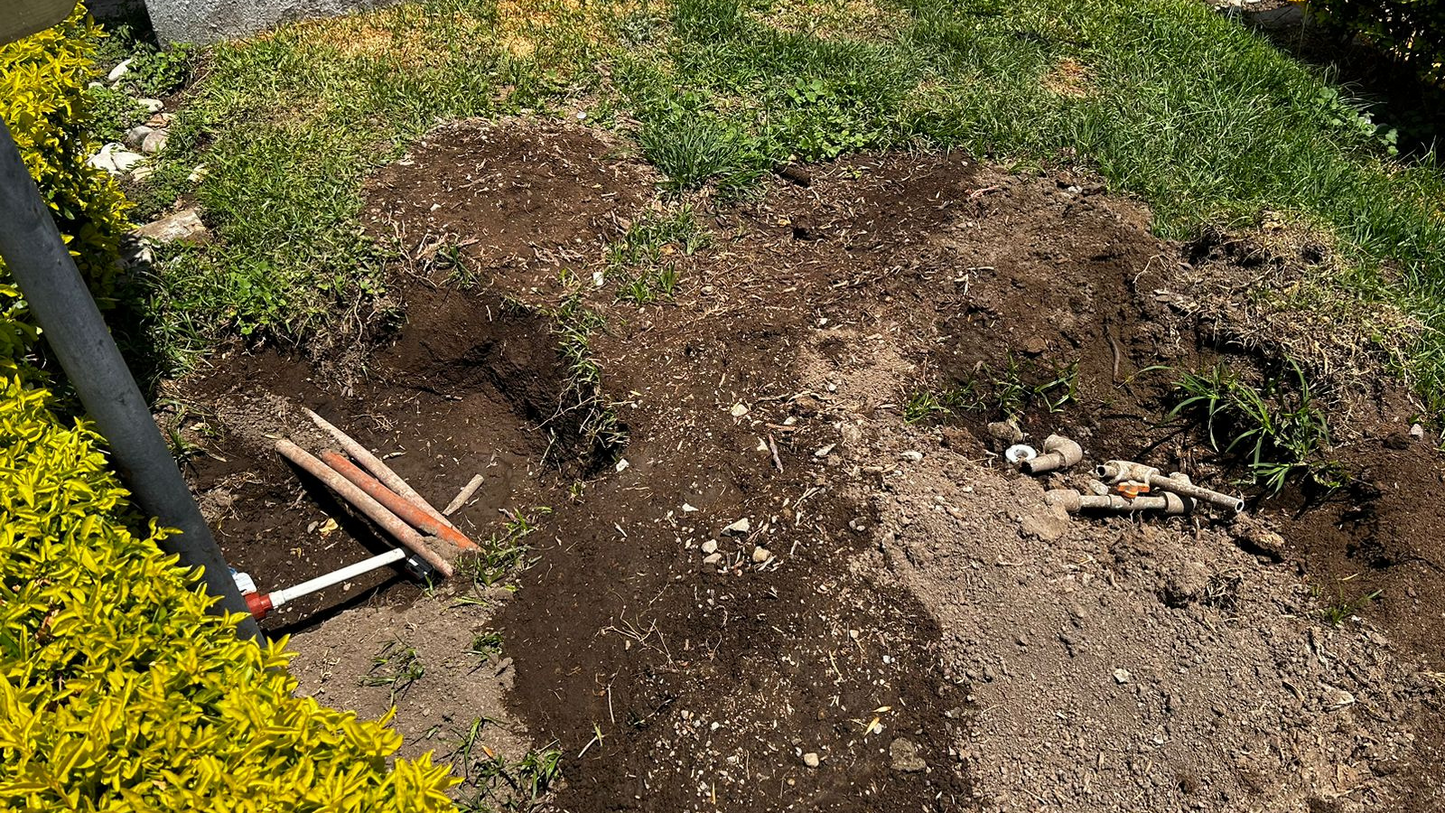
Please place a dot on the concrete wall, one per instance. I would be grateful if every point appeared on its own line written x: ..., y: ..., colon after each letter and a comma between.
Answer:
x: 209, y: 20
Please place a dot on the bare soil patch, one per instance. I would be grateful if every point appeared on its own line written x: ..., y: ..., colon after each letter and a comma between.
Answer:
x: 901, y: 623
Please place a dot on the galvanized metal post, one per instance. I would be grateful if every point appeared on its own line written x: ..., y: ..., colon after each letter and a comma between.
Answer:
x: 37, y: 258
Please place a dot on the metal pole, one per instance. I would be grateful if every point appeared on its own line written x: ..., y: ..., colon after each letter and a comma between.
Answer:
x: 37, y: 258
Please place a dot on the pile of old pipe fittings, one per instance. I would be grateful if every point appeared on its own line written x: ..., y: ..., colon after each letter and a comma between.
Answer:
x: 1123, y: 486
x: 385, y: 499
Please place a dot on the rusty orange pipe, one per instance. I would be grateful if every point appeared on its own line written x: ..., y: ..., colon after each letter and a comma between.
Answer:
x: 380, y: 470
x: 394, y: 502
x: 378, y: 513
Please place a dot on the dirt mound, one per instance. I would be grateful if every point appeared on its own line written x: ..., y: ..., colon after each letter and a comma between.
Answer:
x: 803, y: 583
x: 517, y: 195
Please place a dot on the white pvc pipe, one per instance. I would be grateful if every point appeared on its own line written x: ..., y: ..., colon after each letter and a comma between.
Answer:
x: 279, y: 597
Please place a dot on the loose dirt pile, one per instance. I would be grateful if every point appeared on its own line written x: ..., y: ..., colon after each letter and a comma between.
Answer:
x: 780, y: 594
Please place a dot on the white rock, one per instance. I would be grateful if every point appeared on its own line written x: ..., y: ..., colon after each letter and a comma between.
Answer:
x: 118, y: 71
x: 912, y: 455
x: 712, y: 558
x: 742, y: 526
x: 183, y: 225
x: 136, y: 136
x: 151, y: 105
x: 1121, y: 676
x: 622, y: 464
x: 154, y: 142
x: 739, y: 410
x: 142, y: 172
x: 761, y: 554
x: 115, y: 159
x: 810, y: 759
x: 709, y: 547
x: 1417, y: 431
x: 825, y: 451
x: 688, y: 509
x: 198, y: 174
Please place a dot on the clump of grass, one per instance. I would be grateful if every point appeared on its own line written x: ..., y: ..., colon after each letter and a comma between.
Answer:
x: 1344, y: 609
x: 654, y: 236
x: 487, y: 645
x: 645, y: 253
x: 396, y: 666
x: 1278, y: 428
x: 1008, y: 391
x: 503, y: 554
x: 582, y: 400
x: 519, y: 787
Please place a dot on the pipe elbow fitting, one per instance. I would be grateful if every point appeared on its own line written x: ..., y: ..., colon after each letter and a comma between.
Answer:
x: 1059, y: 453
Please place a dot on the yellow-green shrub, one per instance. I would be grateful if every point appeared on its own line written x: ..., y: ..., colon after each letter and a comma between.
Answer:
x: 117, y: 690
x: 42, y: 99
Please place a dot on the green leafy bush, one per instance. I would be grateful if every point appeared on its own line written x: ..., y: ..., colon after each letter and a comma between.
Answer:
x: 118, y: 691
x: 1414, y: 30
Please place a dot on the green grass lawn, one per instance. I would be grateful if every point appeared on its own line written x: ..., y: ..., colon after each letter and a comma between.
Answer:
x: 1166, y: 99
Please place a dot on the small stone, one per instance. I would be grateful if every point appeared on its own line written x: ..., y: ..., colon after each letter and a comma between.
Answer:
x: 1047, y: 523
x: 739, y: 410
x: 142, y: 172
x: 710, y: 546
x: 712, y: 559
x: 198, y: 174
x: 825, y: 451
x: 118, y: 71
x: 115, y: 159
x: 622, y: 465
x: 151, y: 105
x: 905, y: 756
x: 1035, y: 346
x: 1417, y: 431
x: 688, y: 509
x: 183, y: 225
x: 154, y: 142
x: 1121, y: 676
x: 810, y: 759
x: 1005, y: 432
x: 912, y: 455
x: 742, y: 526
x: 761, y: 554
x: 160, y: 120
x: 136, y: 136
x: 1336, y: 699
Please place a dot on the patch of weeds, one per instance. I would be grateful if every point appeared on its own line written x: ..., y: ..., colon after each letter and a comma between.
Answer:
x: 502, y: 555
x: 1277, y: 428
x: 518, y: 787
x: 692, y: 148
x: 395, y: 666
x: 181, y: 424
x: 645, y: 253
x: 158, y: 72
x: 924, y: 405
x: 596, y: 420
x: 486, y: 646
x: 113, y: 112
x: 654, y: 236
x: 1343, y: 609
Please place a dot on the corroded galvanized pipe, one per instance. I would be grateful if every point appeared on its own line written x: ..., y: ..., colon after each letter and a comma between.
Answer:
x: 1073, y: 502
x: 394, y: 502
x: 1059, y: 453
x: 378, y: 513
x: 1116, y: 471
x: 380, y: 470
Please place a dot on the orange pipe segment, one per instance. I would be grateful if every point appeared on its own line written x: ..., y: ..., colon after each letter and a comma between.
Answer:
x: 397, y: 504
